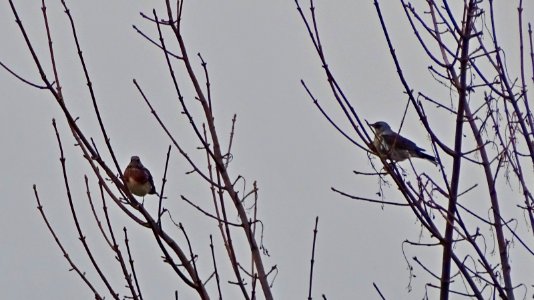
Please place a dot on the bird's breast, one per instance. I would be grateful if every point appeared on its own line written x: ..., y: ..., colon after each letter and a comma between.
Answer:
x: 137, y: 188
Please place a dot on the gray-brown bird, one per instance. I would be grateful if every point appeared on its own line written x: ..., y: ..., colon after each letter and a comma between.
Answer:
x: 396, y: 147
x: 138, y: 178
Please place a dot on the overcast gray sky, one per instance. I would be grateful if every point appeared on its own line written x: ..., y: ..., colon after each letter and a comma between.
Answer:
x: 257, y: 52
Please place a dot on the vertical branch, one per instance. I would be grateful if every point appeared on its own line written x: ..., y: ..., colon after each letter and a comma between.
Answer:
x: 50, y: 48
x: 217, y: 193
x: 191, y: 254
x: 254, y: 223
x: 462, y: 88
x: 531, y: 57
x: 164, y: 181
x: 131, y: 261
x: 97, y: 219
x: 522, y: 63
x: 119, y: 257
x: 215, y: 267
x: 230, y: 245
x: 312, y: 261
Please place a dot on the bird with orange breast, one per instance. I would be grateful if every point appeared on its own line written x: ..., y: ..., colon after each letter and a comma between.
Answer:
x: 138, y: 178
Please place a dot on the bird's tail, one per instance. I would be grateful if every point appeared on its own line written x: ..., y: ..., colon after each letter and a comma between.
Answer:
x: 153, y: 191
x: 428, y: 157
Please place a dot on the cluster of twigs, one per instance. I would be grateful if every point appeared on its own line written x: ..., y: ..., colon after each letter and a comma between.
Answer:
x: 227, y: 201
x: 491, y: 113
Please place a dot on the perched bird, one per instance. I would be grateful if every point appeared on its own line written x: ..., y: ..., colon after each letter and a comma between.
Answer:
x: 394, y: 146
x: 138, y: 179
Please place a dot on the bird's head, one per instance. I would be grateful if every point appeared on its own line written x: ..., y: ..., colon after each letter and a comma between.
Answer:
x: 135, y: 161
x: 381, y: 127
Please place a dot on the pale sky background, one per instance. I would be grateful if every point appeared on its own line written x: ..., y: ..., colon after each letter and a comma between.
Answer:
x: 257, y: 52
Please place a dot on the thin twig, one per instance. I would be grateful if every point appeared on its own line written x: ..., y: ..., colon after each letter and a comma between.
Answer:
x: 378, y: 291
x: 153, y: 42
x: 42, y: 87
x: 312, y: 261
x: 217, y: 279
x: 163, y: 182
x: 131, y: 261
x: 208, y: 214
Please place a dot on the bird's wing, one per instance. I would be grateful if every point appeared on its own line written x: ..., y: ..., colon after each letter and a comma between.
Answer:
x: 400, y: 143
x: 151, y: 180
x: 149, y: 176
